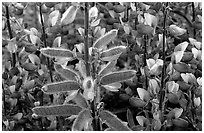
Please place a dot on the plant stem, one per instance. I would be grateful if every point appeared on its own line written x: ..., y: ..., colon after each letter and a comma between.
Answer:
x: 86, y: 58
x: 136, y: 17
x: 145, y: 58
x: 10, y: 35
x: 86, y: 45
x: 162, y: 90
x: 45, y: 44
x: 194, y: 15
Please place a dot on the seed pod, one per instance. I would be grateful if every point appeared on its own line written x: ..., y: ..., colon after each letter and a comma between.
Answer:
x: 63, y: 86
x: 187, y: 56
x: 29, y: 66
x: 137, y: 102
x: 57, y: 110
x: 82, y: 120
x: 66, y: 73
x: 105, y: 39
x: 56, y: 52
x: 179, y: 122
x: 69, y: 15
x: 183, y: 85
x: 117, y: 77
x: 112, y: 53
x: 113, y: 121
x: 182, y: 67
x: 108, y: 68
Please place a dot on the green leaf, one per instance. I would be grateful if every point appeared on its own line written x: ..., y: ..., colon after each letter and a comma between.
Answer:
x: 57, y: 42
x: 117, y: 77
x: 112, y: 53
x: 57, y: 110
x: 136, y: 102
x: 56, y: 52
x: 69, y: 15
x: 144, y: 29
x: 143, y: 94
x: 130, y: 118
x: 113, y: 87
x: 108, y: 67
x: 80, y: 100
x: 62, y: 86
x: 113, y: 121
x: 105, y: 39
x: 34, y: 59
x: 181, y: 47
x: 142, y: 120
x: 182, y: 67
x: 12, y: 47
x: 176, y: 31
x: 82, y: 121
x: 66, y: 73
x: 29, y: 66
x: 53, y: 17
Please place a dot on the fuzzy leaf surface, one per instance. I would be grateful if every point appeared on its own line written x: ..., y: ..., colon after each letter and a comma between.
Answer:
x: 62, y: 86
x: 82, y: 121
x: 57, y: 110
x: 105, y: 39
x: 113, y: 121
x: 117, y: 77
x: 56, y: 52
x: 66, y: 73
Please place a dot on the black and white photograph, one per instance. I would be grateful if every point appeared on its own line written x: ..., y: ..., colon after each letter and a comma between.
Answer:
x: 101, y: 66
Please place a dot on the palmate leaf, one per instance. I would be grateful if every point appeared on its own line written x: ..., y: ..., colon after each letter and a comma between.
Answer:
x: 62, y: 86
x: 105, y: 39
x: 117, y: 77
x: 66, y: 73
x: 82, y: 121
x: 112, y: 121
x: 57, y: 110
x: 56, y: 52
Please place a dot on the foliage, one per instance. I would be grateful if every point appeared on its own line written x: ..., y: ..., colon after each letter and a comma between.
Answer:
x: 102, y: 66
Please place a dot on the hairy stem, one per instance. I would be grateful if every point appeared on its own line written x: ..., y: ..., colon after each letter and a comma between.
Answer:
x: 45, y: 44
x: 194, y: 15
x: 10, y: 35
x: 86, y: 58
x: 162, y: 90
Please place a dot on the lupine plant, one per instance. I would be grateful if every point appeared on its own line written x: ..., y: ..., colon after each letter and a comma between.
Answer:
x: 102, y: 66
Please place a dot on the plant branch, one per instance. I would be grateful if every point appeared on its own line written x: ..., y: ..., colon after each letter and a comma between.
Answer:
x: 162, y: 91
x: 86, y: 45
x: 145, y: 58
x: 194, y: 15
x: 10, y: 34
x: 86, y: 58
x: 45, y: 44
